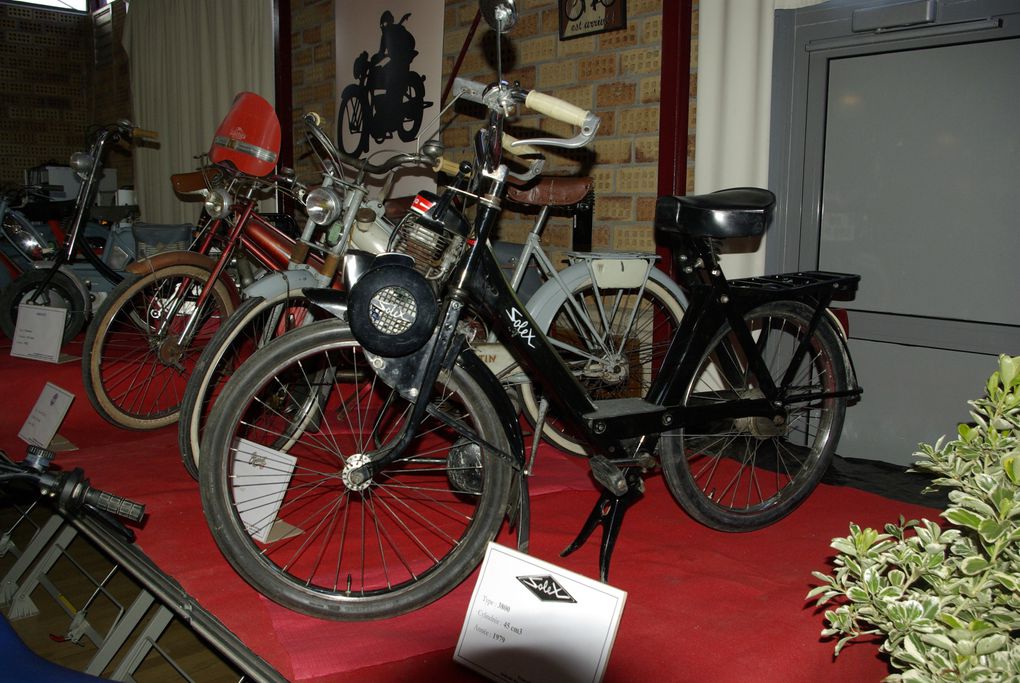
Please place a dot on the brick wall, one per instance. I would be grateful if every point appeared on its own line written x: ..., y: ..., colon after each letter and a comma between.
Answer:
x: 614, y: 74
x: 59, y: 73
x: 313, y: 70
x: 44, y: 77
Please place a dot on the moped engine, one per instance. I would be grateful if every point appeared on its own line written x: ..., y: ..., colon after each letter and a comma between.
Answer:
x: 432, y: 233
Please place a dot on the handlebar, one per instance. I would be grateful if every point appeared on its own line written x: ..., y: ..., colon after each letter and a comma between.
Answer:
x: 501, y: 97
x: 143, y: 134
x: 71, y: 490
x: 555, y: 108
x: 313, y: 121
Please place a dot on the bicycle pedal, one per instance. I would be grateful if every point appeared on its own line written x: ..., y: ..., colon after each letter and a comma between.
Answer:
x: 608, y: 474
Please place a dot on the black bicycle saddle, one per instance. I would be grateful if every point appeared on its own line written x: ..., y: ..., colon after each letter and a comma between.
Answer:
x: 737, y: 212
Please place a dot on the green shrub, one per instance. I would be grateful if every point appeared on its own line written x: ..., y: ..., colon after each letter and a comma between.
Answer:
x: 944, y: 601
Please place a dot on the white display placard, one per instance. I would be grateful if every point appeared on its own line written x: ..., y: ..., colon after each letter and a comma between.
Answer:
x: 531, y: 621
x: 47, y: 414
x: 261, y: 476
x: 39, y: 332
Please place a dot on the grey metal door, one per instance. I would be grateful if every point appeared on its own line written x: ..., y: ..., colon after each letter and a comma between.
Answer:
x: 896, y: 155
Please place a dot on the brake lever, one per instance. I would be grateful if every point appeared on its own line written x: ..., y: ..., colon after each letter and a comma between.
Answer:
x: 589, y: 127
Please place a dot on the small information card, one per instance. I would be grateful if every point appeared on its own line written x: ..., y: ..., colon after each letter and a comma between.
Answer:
x: 39, y: 332
x: 43, y: 422
x: 530, y: 621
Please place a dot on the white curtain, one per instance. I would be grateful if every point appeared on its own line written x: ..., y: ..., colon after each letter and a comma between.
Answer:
x: 734, y: 100
x: 188, y: 58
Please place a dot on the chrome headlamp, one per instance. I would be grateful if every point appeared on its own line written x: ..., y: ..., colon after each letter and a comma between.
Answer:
x: 217, y: 203
x: 25, y: 239
x: 82, y: 163
x: 323, y: 205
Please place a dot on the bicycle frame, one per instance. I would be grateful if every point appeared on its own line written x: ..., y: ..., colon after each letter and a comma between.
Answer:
x: 617, y: 429
x: 267, y: 245
x: 83, y: 205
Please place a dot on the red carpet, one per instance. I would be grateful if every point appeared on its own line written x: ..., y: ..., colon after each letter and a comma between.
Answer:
x: 702, y: 605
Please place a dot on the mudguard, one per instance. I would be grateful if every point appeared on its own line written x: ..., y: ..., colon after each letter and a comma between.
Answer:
x: 279, y: 283
x: 333, y: 301
x: 86, y: 295
x: 546, y: 301
x: 519, y: 513
x: 186, y: 258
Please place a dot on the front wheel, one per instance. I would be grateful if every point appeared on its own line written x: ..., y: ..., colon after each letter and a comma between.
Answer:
x: 353, y: 121
x: 59, y: 292
x: 286, y: 513
x: 133, y: 365
x: 739, y: 474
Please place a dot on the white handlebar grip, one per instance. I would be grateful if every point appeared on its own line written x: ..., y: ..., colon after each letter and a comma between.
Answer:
x: 446, y: 166
x: 556, y: 108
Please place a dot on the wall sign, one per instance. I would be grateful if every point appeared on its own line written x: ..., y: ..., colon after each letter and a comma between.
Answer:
x: 389, y: 71
x: 586, y: 17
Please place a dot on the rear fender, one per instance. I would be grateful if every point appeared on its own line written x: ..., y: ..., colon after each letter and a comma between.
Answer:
x: 547, y: 300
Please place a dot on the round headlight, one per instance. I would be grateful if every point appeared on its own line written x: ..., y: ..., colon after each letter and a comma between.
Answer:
x: 217, y: 203
x: 25, y: 238
x: 323, y: 205
x: 82, y: 164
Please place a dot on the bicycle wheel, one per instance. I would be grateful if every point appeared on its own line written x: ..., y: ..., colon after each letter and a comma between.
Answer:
x: 255, y: 322
x: 290, y: 524
x: 412, y: 107
x: 613, y: 340
x: 60, y: 292
x: 133, y: 367
x: 745, y: 473
x: 352, y: 122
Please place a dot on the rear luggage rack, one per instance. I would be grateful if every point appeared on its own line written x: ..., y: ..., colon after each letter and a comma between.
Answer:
x: 843, y: 285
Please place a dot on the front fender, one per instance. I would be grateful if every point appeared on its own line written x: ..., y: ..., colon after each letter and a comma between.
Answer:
x: 183, y: 258
x: 499, y: 402
x: 86, y: 295
x: 333, y: 301
x: 519, y: 512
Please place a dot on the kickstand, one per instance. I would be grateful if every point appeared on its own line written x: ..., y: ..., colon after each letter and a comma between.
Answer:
x: 608, y: 513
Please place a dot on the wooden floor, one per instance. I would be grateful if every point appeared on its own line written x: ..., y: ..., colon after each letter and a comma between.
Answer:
x: 76, y: 576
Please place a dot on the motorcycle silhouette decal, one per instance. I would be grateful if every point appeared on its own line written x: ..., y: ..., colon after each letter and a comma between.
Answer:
x: 388, y: 96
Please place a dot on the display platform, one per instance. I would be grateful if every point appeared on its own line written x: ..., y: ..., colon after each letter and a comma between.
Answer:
x: 702, y: 605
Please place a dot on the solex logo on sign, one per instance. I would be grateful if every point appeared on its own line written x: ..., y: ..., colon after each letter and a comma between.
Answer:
x: 546, y: 588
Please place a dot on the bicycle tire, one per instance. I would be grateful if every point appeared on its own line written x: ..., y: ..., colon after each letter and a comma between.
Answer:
x: 133, y: 377
x: 242, y: 333
x: 61, y: 292
x: 746, y: 473
x: 352, y: 121
x: 412, y: 534
x: 413, y: 98
x: 632, y: 371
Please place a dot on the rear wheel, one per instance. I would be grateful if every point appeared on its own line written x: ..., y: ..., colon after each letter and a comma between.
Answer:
x: 289, y: 518
x: 614, y: 341
x: 745, y: 473
x: 133, y: 366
